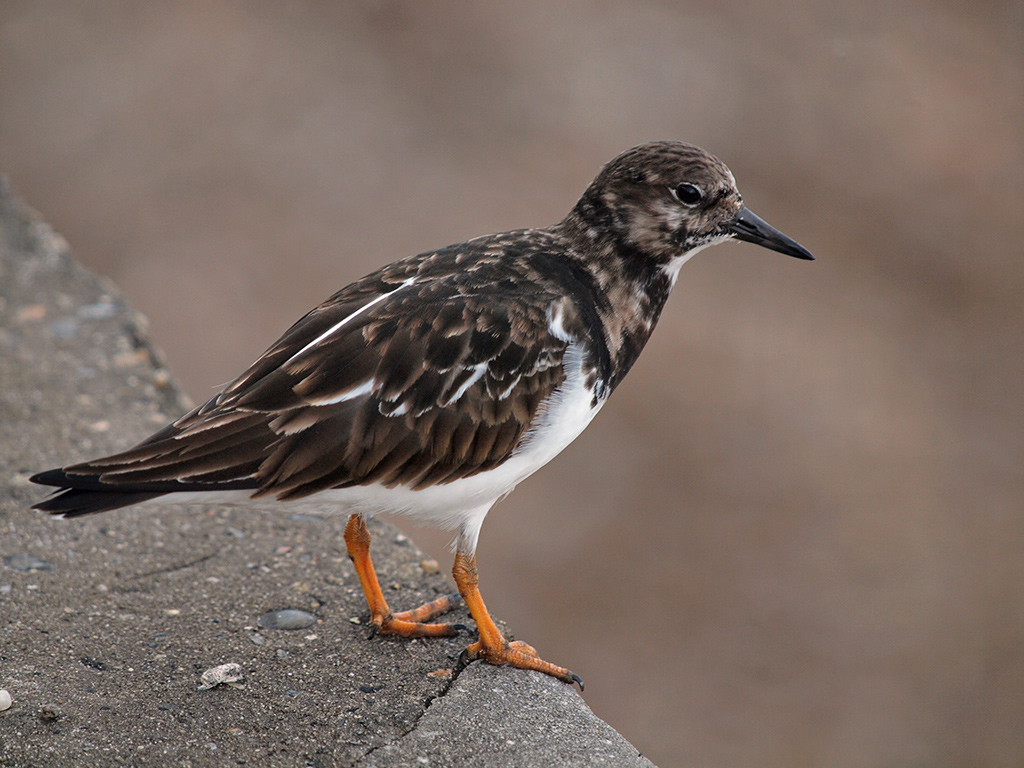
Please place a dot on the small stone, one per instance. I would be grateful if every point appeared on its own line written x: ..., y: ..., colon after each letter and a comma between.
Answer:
x: 442, y: 673
x: 430, y: 566
x: 31, y: 313
x: 5, y: 699
x: 27, y: 563
x: 101, y: 309
x: 226, y: 674
x: 64, y: 328
x: 289, y: 618
x: 131, y: 360
x: 257, y: 639
x: 49, y: 714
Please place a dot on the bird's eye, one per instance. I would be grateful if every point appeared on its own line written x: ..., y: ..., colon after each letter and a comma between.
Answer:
x: 688, y: 194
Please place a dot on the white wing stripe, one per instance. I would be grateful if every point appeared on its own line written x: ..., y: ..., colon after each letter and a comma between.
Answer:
x: 341, y: 323
x: 349, y: 394
x: 478, y: 371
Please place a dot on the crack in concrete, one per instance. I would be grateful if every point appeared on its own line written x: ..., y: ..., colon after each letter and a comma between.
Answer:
x: 169, y: 568
x: 456, y: 671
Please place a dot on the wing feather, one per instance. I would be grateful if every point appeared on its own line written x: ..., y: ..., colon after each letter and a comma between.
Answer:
x: 393, y: 380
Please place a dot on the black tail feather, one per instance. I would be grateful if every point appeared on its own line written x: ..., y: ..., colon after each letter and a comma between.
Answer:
x: 76, y: 495
x: 75, y: 502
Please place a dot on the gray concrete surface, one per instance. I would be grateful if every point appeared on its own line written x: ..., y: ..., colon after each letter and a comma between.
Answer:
x: 108, y: 622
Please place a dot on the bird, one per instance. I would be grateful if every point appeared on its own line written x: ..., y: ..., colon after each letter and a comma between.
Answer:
x: 435, y: 385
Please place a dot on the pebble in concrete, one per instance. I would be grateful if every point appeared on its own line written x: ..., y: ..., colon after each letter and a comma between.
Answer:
x: 26, y: 563
x: 289, y: 618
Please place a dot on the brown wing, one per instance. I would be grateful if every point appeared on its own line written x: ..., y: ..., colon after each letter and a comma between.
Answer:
x: 412, y: 383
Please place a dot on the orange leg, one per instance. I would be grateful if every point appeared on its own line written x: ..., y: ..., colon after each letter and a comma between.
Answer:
x: 492, y: 645
x: 407, y: 623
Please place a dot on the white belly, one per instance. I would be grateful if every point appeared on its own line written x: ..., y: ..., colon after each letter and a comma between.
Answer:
x: 461, y: 504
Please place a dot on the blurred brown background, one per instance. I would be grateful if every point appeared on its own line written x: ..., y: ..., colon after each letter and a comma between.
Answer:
x: 796, y: 534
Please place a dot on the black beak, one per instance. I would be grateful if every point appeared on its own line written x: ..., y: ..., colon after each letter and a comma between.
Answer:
x: 752, y: 228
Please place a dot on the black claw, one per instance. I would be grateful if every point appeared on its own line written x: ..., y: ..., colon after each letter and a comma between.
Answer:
x: 462, y: 661
x: 462, y: 628
x: 576, y: 679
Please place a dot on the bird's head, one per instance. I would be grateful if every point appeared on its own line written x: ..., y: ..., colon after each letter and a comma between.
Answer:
x: 669, y: 200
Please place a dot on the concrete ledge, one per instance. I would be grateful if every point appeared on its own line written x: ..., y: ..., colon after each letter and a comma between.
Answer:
x: 108, y: 622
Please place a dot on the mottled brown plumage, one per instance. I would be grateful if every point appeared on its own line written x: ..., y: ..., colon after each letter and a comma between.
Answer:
x: 435, y: 384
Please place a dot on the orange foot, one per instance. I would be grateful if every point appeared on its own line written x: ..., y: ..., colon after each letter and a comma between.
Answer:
x: 492, y: 646
x: 414, y: 623
x: 518, y: 654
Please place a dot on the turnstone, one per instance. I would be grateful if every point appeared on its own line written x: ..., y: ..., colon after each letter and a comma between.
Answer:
x: 435, y: 385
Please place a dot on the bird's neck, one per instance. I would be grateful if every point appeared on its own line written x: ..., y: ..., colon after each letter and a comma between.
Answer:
x: 633, y: 288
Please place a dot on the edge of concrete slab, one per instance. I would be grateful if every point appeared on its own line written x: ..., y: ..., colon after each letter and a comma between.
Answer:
x: 107, y: 623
